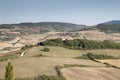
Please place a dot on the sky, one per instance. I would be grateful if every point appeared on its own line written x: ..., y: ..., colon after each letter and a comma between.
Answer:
x: 87, y: 12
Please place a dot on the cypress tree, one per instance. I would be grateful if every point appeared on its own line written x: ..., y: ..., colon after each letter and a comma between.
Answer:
x: 9, y: 72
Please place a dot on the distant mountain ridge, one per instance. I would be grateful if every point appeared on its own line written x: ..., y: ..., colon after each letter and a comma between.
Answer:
x: 107, y: 27
x: 42, y: 27
x: 30, y: 24
x: 113, y: 22
x: 110, y: 26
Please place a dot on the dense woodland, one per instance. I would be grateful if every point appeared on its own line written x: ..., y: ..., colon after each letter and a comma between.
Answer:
x: 81, y: 44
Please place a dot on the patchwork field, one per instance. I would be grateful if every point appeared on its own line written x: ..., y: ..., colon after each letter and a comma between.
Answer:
x: 31, y: 67
x: 32, y: 64
x: 81, y: 73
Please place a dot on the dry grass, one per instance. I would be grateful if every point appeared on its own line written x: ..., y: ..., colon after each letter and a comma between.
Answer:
x: 112, y: 62
x: 64, y: 52
x: 33, y: 66
x: 54, y: 52
x: 30, y: 66
x: 81, y: 73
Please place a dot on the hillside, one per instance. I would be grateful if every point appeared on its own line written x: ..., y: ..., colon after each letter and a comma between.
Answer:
x: 37, y: 62
x: 9, y: 32
x: 107, y: 27
x: 42, y: 27
x: 113, y: 22
x: 110, y: 26
x: 14, y: 36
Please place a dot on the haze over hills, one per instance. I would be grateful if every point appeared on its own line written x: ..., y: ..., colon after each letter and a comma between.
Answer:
x: 113, y: 22
x: 43, y: 27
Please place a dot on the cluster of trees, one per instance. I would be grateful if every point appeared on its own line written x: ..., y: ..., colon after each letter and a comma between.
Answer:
x: 92, y: 56
x: 81, y: 44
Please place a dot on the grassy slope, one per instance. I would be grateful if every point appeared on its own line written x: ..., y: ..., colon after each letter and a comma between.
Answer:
x: 30, y: 66
x: 63, y: 52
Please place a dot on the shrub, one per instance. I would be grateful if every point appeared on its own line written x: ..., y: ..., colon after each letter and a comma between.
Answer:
x: 99, y: 56
x: 90, y: 56
x: 26, y: 47
x: 46, y: 49
x: 40, y: 55
x: 59, y: 73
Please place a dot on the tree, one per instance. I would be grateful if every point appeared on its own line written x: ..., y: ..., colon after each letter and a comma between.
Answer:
x: 91, y: 56
x: 9, y: 72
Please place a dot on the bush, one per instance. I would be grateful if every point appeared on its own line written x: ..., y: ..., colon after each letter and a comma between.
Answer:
x: 46, y: 49
x: 26, y: 47
x: 75, y: 65
x: 92, y: 56
x: 59, y: 73
x: 40, y: 55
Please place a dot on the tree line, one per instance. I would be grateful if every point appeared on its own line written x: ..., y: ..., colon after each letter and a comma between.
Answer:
x: 80, y: 44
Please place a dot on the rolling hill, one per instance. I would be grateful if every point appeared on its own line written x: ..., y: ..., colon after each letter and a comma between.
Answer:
x: 107, y: 27
x: 43, y: 26
x: 110, y: 26
x: 113, y: 22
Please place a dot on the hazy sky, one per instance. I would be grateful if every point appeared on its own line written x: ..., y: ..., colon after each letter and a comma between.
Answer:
x: 89, y: 12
